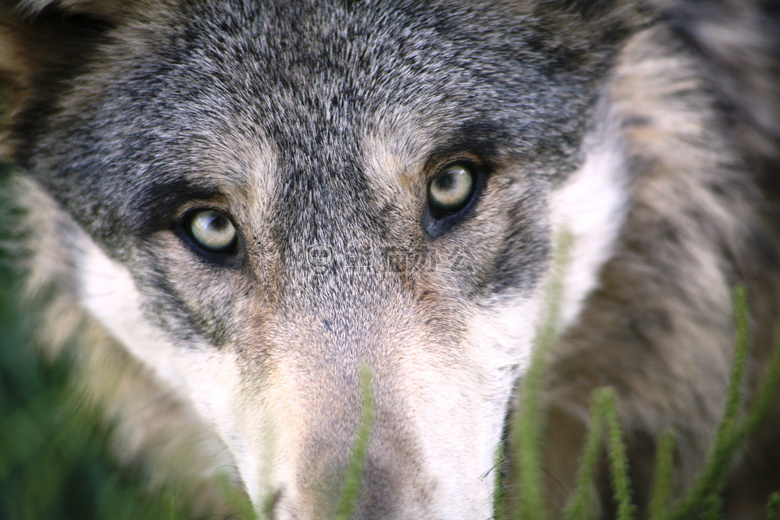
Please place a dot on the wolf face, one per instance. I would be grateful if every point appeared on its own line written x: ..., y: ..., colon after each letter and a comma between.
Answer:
x: 257, y: 199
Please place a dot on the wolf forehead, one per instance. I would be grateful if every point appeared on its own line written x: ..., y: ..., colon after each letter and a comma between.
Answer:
x: 309, y: 83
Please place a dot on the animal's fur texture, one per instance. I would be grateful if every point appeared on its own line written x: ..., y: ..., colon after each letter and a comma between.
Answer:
x: 647, y: 130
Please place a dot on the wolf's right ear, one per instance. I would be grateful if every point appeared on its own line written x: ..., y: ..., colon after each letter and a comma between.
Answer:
x: 44, y: 43
x: 588, y: 33
x: 591, y: 24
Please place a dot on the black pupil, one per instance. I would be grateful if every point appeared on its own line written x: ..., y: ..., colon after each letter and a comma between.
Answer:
x: 446, y: 181
x: 219, y: 223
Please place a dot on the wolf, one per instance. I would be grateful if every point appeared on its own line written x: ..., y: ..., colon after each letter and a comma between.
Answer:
x: 237, y: 206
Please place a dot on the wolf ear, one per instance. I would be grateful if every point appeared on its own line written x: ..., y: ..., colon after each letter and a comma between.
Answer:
x: 587, y: 33
x: 44, y: 43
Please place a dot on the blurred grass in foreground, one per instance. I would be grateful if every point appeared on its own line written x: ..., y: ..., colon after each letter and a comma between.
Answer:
x: 55, y: 460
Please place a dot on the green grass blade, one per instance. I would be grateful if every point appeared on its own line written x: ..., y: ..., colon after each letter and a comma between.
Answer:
x: 351, y: 490
x: 767, y: 396
x: 240, y: 505
x: 662, y: 478
x: 616, y: 452
x: 736, y: 381
x: 732, y: 434
x: 773, y: 507
x: 499, y: 494
x: 528, y: 423
x: 713, y: 508
x: 580, y: 505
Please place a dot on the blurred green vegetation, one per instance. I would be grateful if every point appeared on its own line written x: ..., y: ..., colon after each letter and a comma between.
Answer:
x: 55, y: 462
x: 702, y: 500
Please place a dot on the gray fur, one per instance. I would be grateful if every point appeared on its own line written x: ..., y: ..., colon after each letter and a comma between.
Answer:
x: 320, y: 124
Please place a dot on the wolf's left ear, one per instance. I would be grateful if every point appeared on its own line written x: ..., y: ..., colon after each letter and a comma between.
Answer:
x: 44, y: 43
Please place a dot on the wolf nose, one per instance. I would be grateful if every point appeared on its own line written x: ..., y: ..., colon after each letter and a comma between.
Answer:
x: 391, y: 485
x: 379, y: 495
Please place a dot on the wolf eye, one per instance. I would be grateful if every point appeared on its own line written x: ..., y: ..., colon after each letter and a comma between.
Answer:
x: 451, y: 190
x: 212, y: 231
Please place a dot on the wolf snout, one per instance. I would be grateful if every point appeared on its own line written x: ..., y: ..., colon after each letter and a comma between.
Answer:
x: 390, y: 481
x: 399, y: 472
x: 388, y: 490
